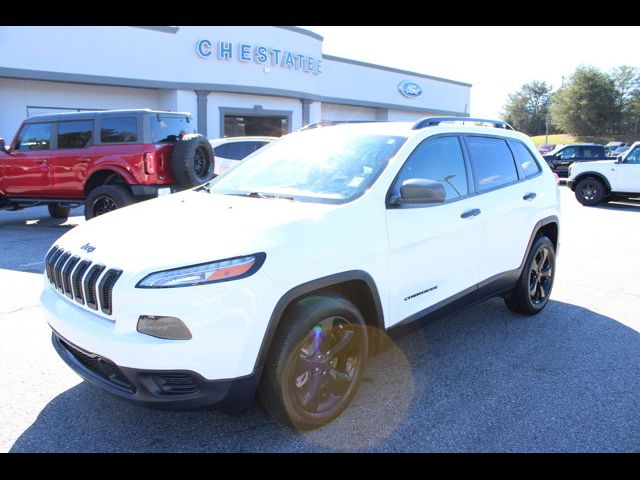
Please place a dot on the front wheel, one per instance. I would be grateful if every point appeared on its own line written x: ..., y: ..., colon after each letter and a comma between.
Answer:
x: 58, y: 211
x: 534, y: 286
x: 105, y: 199
x: 590, y: 191
x: 316, y: 362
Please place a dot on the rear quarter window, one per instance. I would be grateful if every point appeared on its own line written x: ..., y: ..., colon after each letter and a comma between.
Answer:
x: 524, y: 158
x: 119, y: 129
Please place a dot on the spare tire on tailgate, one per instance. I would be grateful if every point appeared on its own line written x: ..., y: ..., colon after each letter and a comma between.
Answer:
x: 192, y: 161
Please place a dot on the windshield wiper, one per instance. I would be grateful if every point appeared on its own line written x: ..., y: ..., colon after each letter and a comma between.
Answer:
x: 267, y: 195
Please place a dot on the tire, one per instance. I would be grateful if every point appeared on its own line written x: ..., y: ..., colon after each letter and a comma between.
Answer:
x: 192, y: 161
x: 107, y: 198
x: 590, y: 191
x: 58, y: 211
x: 537, y: 275
x: 293, y: 372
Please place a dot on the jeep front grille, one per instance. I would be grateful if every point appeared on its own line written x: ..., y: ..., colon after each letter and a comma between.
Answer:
x: 81, y: 280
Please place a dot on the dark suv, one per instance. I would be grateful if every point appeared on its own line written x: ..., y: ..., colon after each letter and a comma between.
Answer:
x: 562, y: 156
x: 106, y: 160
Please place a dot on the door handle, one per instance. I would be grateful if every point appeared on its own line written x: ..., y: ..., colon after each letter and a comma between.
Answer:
x: 529, y: 196
x: 40, y: 160
x: 470, y: 213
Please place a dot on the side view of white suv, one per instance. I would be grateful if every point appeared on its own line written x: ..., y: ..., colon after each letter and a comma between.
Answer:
x: 284, y: 275
x: 599, y: 181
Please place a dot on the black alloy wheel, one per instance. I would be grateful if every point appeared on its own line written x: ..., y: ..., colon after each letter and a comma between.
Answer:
x: 590, y: 191
x: 201, y: 164
x: 103, y: 204
x: 315, y: 362
x: 106, y: 198
x: 326, y: 366
x: 540, y: 276
x: 533, y: 289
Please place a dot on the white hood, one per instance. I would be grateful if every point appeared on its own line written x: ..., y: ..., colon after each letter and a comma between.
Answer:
x: 187, y: 228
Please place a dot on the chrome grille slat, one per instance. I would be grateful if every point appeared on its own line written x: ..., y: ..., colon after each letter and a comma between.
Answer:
x: 81, y: 280
x: 77, y: 277
x: 105, y: 288
x: 90, y: 281
x: 66, y: 275
x: 58, y: 270
x: 52, y: 262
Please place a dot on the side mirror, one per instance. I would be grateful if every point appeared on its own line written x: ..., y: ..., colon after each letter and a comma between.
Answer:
x: 419, y: 191
x: 2, y: 145
x: 619, y: 159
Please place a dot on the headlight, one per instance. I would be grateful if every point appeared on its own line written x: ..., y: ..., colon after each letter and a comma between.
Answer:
x: 204, y: 273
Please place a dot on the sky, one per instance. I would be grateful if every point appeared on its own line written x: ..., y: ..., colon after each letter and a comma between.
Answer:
x: 495, y: 60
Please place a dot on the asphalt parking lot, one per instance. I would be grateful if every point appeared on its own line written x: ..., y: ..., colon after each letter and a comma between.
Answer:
x: 483, y: 380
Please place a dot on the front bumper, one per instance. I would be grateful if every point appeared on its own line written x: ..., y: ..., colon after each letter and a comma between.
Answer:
x: 164, y: 388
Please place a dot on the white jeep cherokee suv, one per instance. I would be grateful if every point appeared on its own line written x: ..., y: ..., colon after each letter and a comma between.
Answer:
x: 595, y: 182
x: 285, y: 274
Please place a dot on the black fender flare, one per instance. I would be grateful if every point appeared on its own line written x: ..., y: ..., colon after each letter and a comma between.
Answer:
x: 587, y: 174
x: 311, y: 286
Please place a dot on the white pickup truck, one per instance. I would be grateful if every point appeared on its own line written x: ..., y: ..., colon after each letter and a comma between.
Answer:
x: 603, y: 180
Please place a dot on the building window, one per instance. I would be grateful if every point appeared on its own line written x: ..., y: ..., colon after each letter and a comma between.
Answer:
x: 241, y: 126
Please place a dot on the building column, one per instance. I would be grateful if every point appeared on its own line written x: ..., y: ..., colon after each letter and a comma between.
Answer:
x: 306, y: 104
x: 201, y: 98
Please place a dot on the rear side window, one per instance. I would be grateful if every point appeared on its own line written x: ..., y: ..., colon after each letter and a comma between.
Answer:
x: 524, y: 158
x: 491, y: 161
x: 169, y: 128
x: 35, y: 136
x: 119, y: 129
x: 75, y: 134
x: 234, y: 150
x: 592, y: 152
x: 438, y: 159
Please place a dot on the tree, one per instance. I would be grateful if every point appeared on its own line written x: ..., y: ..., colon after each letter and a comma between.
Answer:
x: 627, y: 83
x: 587, y: 104
x: 526, y: 109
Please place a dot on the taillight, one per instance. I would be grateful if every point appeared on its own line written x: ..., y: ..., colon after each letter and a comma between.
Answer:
x: 149, y: 163
x: 557, y: 178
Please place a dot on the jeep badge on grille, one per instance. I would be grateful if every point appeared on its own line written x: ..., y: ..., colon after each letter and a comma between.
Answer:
x: 88, y: 248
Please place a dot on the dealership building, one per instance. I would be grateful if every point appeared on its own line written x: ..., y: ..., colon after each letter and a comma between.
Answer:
x: 252, y: 80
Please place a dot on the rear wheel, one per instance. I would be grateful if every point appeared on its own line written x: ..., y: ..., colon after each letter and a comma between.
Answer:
x: 58, y: 211
x: 105, y: 199
x: 534, y: 286
x: 590, y: 191
x: 316, y: 362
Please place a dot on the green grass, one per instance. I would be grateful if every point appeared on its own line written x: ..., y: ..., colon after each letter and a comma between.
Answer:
x: 558, y: 138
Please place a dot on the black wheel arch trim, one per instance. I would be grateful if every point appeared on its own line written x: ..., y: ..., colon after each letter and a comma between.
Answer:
x: 597, y: 175
x: 314, y: 285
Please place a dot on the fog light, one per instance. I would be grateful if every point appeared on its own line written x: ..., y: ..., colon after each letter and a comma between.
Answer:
x: 171, y: 328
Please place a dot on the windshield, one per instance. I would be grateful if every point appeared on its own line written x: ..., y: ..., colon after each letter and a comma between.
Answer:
x: 323, y: 165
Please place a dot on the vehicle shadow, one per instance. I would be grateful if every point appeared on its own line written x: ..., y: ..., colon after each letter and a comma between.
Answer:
x: 632, y: 205
x: 484, y: 379
x: 26, y: 235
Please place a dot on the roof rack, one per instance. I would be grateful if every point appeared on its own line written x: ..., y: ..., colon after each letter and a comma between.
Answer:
x: 433, y: 121
x: 328, y: 123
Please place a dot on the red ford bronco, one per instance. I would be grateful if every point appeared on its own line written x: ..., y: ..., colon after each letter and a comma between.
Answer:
x: 106, y: 160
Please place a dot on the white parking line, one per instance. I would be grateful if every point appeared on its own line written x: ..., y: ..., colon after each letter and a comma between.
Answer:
x: 32, y: 263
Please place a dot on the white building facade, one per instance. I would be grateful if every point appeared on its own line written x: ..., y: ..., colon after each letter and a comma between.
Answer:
x: 234, y: 80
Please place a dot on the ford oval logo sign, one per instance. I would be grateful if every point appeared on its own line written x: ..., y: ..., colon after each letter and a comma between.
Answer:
x: 410, y: 89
